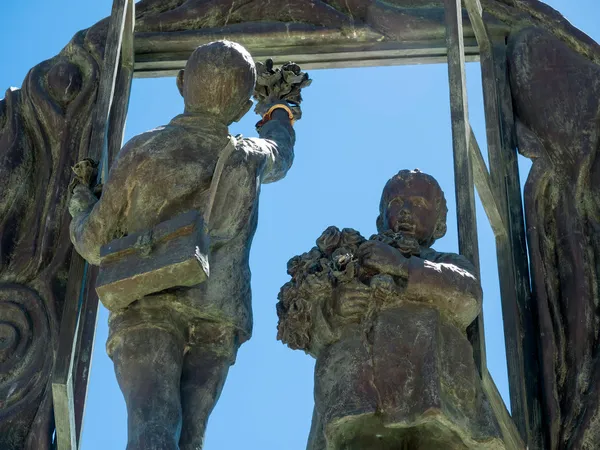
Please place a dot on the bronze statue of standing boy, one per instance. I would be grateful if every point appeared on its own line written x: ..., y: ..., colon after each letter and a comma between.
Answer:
x: 172, y: 349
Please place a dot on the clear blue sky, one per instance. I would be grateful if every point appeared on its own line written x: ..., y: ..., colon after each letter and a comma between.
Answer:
x: 360, y: 127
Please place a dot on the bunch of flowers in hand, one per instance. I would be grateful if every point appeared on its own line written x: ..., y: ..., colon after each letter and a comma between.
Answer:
x: 280, y: 85
x: 314, y: 275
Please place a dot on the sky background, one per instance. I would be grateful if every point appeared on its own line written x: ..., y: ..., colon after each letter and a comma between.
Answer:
x: 360, y: 126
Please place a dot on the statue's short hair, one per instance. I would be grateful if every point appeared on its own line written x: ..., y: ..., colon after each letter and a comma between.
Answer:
x: 219, y: 78
x: 405, y: 176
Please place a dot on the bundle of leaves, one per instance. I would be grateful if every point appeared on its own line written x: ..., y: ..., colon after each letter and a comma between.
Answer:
x: 276, y: 85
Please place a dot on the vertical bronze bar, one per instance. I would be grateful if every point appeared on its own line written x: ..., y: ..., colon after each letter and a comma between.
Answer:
x: 523, y: 322
x: 86, y: 333
x: 519, y: 331
x: 118, y: 115
x: 62, y: 379
x: 89, y: 309
x: 463, y: 173
x: 76, y: 338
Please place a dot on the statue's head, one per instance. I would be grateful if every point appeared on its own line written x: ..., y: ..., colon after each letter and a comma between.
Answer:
x: 219, y: 80
x: 413, y: 203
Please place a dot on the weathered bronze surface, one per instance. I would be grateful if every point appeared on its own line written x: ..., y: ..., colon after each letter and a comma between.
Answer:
x: 45, y: 126
x: 556, y: 97
x: 395, y: 19
x: 386, y: 320
x: 327, y: 33
x: 172, y: 349
x: 43, y: 129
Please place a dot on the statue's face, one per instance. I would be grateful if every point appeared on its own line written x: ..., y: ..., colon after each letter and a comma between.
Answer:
x: 412, y: 208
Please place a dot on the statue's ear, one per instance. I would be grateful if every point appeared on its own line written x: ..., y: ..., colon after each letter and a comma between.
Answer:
x: 379, y: 223
x: 440, y: 230
x: 180, y: 81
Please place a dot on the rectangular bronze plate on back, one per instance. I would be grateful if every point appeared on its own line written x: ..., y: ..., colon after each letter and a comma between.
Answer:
x: 173, y: 253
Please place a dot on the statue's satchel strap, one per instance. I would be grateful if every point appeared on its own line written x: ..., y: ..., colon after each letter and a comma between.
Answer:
x: 214, y: 184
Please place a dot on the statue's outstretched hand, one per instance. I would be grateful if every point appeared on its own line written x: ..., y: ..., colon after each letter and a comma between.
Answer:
x: 280, y: 86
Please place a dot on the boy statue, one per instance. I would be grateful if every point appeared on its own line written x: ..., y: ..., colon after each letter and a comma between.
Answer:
x: 172, y: 349
x: 385, y: 319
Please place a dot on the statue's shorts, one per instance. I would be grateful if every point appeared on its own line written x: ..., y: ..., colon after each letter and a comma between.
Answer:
x: 177, y: 320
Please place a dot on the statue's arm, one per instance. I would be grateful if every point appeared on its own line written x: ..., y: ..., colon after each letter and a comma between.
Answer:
x: 96, y: 222
x: 277, y: 139
x: 449, y: 282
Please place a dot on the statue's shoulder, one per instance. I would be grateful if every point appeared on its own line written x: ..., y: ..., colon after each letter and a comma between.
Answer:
x: 433, y: 255
x: 448, y: 258
x: 159, y: 133
x: 148, y: 140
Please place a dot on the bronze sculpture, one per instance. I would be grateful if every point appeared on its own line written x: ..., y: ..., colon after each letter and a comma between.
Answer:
x: 172, y: 349
x: 557, y: 106
x: 386, y: 320
x: 46, y: 122
x: 44, y: 130
x: 391, y: 19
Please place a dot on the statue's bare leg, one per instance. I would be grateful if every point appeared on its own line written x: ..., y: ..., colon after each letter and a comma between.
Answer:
x: 205, y: 369
x: 148, y: 362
